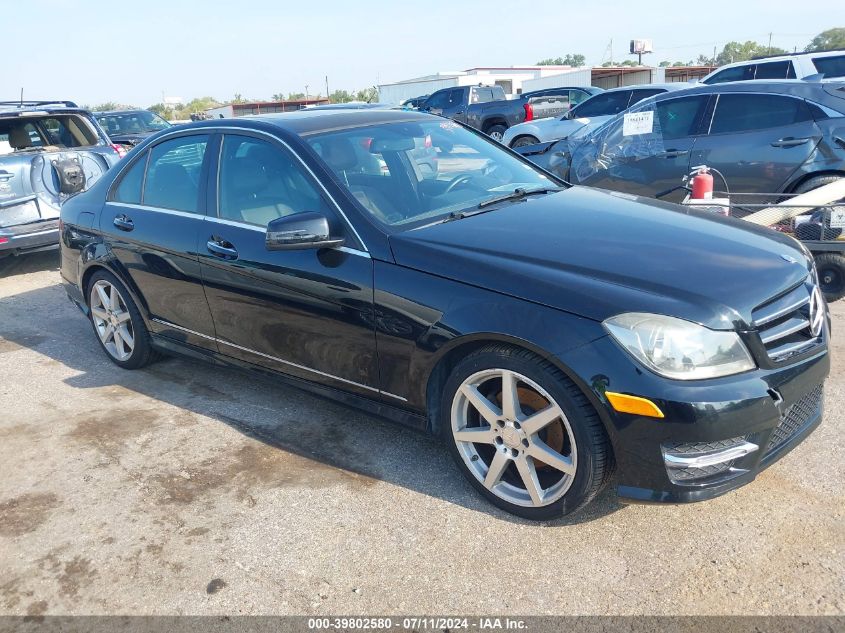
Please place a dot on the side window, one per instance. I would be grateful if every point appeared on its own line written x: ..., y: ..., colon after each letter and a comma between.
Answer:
x: 833, y: 66
x: 577, y: 96
x: 639, y: 95
x: 173, y: 174
x: 737, y: 73
x: 601, y: 105
x: 438, y: 100
x: 456, y: 97
x: 259, y: 182
x: 773, y: 70
x: 679, y: 117
x: 128, y: 190
x: 747, y: 112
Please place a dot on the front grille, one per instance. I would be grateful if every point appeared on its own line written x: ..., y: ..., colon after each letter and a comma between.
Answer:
x: 791, y: 323
x: 796, y: 418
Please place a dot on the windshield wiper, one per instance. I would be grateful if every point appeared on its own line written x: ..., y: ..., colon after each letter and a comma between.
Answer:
x: 517, y: 194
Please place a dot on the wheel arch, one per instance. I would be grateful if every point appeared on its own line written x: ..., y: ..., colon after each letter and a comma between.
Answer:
x: 795, y: 184
x: 450, y: 354
x: 105, y: 264
x: 493, y: 121
x: 524, y: 135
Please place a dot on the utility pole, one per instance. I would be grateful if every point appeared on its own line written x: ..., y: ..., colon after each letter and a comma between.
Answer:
x: 306, y: 92
x: 327, y: 89
x: 713, y: 60
x: 769, y: 52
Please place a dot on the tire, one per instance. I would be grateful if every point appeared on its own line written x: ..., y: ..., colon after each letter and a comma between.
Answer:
x: 502, y: 448
x: 823, y: 232
x: 831, y: 271
x: 496, y: 132
x: 522, y: 141
x: 121, y: 331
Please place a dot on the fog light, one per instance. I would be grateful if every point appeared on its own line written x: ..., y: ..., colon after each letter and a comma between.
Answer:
x: 691, y: 462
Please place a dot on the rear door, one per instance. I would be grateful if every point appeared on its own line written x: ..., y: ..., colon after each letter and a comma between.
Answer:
x: 307, y: 313
x: 757, y: 140
x: 644, y: 151
x: 152, y: 221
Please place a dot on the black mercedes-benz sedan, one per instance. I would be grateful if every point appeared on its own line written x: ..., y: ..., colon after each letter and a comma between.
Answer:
x: 551, y: 335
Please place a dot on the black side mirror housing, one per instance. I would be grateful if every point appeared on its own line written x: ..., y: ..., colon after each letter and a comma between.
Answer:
x: 300, y: 231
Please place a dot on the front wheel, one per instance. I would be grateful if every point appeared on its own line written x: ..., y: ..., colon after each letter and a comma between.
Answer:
x: 522, y: 141
x: 497, y: 132
x: 523, y: 434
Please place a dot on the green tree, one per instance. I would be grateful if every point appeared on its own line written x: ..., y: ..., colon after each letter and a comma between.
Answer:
x: 238, y: 98
x: 296, y: 96
x: 827, y: 40
x: 571, y: 59
x: 367, y: 94
x: 340, y: 96
x: 741, y: 52
x: 108, y: 105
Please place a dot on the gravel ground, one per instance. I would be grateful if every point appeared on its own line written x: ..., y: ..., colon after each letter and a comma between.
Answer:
x: 187, y: 489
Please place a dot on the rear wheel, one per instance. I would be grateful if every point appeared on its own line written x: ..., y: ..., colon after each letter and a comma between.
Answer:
x: 523, y: 434
x: 496, y: 132
x: 522, y: 141
x: 831, y: 271
x: 118, y: 323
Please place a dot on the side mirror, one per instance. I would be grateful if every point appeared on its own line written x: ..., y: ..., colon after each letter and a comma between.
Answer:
x: 299, y: 231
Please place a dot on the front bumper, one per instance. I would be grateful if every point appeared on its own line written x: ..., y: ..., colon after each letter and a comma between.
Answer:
x: 31, y: 237
x: 735, y: 426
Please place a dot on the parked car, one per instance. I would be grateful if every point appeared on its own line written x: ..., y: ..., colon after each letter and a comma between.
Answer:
x: 548, y: 334
x: 592, y: 112
x: 129, y: 127
x: 763, y: 136
x: 830, y: 64
x: 486, y: 109
x: 49, y: 150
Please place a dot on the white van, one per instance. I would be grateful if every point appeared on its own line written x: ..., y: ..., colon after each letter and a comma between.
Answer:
x: 795, y: 66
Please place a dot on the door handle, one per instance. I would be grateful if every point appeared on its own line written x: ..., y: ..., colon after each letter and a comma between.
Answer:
x: 790, y: 142
x: 124, y: 222
x: 674, y: 153
x: 6, y: 175
x: 221, y: 248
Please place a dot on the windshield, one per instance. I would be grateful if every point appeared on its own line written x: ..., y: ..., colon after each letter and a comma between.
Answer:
x: 415, y: 171
x: 140, y: 122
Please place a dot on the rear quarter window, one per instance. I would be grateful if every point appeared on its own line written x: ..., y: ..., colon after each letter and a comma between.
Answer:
x: 833, y: 66
x: 128, y: 189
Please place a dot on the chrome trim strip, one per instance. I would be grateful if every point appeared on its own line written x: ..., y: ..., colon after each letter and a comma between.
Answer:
x: 143, y: 207
x: 780, y: 352
x: 280, y: 360
x: 782, y: 312
x: 55, y: 229
x: 709, y: 459
x: 775, y: 334
x: 243, y: 225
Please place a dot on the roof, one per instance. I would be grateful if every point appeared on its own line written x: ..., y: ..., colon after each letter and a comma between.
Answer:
x: 674, y: 85
x: 778, y: 86
x: 115, y: 112
x: 312, y: 121
x: 13, y: 107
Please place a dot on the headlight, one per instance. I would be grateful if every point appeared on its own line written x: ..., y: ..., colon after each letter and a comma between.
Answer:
x: 679, y: 349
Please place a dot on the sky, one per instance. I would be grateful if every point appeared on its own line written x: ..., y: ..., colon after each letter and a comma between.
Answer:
x: 94, y: 51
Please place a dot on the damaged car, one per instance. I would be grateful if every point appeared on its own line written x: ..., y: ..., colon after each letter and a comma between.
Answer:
x: 49, y: 151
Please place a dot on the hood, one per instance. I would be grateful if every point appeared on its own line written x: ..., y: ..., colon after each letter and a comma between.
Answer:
x: 131, y: 139
x: 598, y: 253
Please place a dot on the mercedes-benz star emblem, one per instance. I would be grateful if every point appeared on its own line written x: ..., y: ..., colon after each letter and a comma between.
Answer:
x: 817, y: 314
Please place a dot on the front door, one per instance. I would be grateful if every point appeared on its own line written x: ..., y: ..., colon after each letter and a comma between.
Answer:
x: 153, y: 218
x: 307, y: 313
x: 645, y: 150
x: 757, y: 141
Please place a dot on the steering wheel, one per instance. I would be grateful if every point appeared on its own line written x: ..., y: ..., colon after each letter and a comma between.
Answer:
x: 457, y: 181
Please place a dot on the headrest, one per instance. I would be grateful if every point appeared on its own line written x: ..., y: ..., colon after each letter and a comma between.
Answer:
x: 19, y: 138
x: 339, y: 153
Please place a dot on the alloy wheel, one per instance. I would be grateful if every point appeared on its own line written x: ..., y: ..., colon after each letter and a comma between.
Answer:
x: 514, y: 438
x: 112, y: 320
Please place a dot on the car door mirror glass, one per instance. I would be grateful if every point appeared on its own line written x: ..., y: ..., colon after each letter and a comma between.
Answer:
x: 299, y: 231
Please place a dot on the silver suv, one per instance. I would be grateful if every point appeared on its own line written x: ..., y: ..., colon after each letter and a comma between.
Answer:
x: 49, y: 150
x: 830, y: 64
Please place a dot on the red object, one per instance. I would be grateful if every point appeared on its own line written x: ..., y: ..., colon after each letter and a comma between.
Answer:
x: 702, y: 185
x: 3, y: 240
x: 529, y: 112
x: 120, y: 149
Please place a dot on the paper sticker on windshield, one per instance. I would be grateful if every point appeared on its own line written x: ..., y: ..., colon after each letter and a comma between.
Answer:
x: 638, y: 123
x: 448, y: 125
